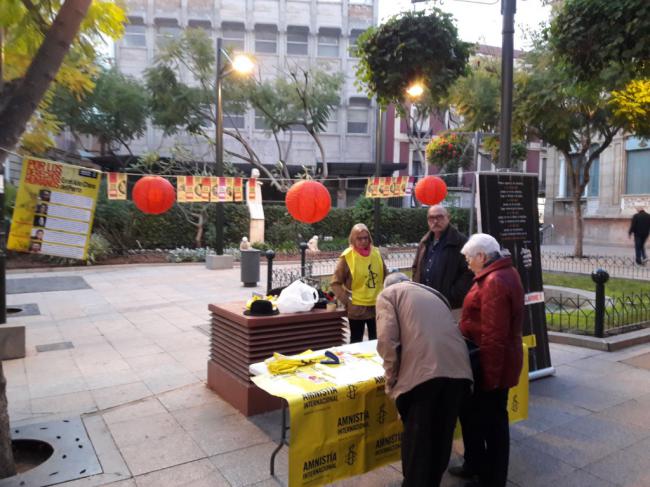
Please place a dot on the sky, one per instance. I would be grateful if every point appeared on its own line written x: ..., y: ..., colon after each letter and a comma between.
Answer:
x: 479, y: 21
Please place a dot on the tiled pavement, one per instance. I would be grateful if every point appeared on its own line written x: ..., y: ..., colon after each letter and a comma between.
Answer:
x: 137, y: 369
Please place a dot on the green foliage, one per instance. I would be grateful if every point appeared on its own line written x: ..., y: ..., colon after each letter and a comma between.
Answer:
x: 449, y: 152
x: 25, y: 25
x: 632, y: 104
x: 98, y: 248
x: 598, y: 36
x: 411, y: 47
x: 616, y: 287
x: 518, y: 150
x: 115, y: 111
x: 476, y: 97
x: 183, y: 254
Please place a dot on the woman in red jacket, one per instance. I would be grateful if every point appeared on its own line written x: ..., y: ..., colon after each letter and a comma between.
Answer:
x: 493, y: 313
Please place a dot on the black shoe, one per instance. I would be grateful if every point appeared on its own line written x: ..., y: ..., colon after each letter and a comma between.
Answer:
x: 462, y: 471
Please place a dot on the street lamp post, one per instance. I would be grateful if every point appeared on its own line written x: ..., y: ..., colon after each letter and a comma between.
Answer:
x: 508, y: 9
x: 240, y: 64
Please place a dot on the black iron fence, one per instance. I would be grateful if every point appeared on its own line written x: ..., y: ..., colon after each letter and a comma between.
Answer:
x: 577, y: 315
x: 616, y: 266
x: 572, y: 314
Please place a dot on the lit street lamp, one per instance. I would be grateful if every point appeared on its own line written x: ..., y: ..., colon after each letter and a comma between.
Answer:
x: 243, y: 65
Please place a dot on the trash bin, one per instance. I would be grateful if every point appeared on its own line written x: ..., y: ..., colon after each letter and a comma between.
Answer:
x: 250, y: 267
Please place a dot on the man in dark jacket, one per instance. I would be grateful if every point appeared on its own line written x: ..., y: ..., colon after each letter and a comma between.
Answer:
x: 640, y: 227
x: 438, y: 261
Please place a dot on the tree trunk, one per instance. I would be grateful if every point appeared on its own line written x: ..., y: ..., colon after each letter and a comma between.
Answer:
x: 18, y: 109
x: 15, y: 112
x: 198, y: 239
x: 577, y: 220
x: 7, y: 466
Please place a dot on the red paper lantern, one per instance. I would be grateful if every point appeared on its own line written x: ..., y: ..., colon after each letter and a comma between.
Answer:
x: 308, y: 201
x: 430, y: 190
x: 153, y: 195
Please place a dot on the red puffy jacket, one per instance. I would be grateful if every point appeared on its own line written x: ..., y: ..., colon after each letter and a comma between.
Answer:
x: 493, y: 314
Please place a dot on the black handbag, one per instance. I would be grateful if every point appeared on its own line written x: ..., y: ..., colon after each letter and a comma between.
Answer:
x: 474, y: 359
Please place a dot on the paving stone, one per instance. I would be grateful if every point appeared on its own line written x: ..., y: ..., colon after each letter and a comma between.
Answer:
x: 75, y: 403
x: 119, y: 395
x: 250, y: 465
x: 149, y: 456
x: 141, y: 409
x: 191, y: 396
x: 621, y: 469
x: 581, y: 478
x: 45, y: 284
x: 200, y: 473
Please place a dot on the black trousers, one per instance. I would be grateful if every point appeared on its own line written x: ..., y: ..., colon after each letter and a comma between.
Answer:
x: 357, y: 327
x: 429, y: 412
x: 639, y: 248
x: 486, y: 435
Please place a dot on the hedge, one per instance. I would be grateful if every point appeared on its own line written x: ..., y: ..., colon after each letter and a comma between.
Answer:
x: 125, y: 227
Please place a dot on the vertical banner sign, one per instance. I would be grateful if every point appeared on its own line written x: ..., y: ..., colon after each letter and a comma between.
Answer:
x: 202, y: 189
x: 55, y: 207
x: 251, y: 189
x: 237, y: 192
x: 507, y: 210
x: 116, y: 186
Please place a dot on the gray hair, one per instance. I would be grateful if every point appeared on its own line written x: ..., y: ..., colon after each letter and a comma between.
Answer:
x: 395, y: 278
x: 481, y: 243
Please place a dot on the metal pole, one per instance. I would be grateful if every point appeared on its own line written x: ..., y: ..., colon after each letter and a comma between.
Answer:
x: 3, y: 252
x: 303, y: 258
x: 378, y: 157
x: 269, y: 270
x: 218, y: 147
x: 477, y: 169
x: 508, y: 9
x: 600, y: 277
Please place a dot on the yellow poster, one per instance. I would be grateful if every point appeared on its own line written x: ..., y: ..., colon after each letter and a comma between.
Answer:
x: 55, y: 207
x: 116, y: 186
x: 201, y: 189
x: 185, y: 189
x: 342, y: 423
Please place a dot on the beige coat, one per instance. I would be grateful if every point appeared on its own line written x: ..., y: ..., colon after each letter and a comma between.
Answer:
x: 418, y: 338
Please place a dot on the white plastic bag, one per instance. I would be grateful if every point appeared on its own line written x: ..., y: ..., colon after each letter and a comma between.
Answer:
x: 296, y: 297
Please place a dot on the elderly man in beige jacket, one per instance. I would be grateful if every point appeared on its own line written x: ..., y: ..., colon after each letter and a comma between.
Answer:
x: 427, y: 371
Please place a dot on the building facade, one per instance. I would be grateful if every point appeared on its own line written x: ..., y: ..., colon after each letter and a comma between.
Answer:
x: 619, y: 182
x: 279, y: 33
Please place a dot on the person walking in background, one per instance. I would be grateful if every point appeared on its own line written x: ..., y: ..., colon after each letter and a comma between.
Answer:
x: 358, y: 280
x: 640, y: 228
x: 492, y: 318
x: 438, y: 262
x: 427, y: 371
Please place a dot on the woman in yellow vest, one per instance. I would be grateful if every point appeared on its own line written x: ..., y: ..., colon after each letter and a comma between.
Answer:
x: 358, y: 280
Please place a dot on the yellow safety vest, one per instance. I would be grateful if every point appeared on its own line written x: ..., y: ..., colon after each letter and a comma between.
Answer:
x: 367, y: 276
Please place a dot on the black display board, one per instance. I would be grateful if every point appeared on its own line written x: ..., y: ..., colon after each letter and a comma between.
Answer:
x: 507, y: 210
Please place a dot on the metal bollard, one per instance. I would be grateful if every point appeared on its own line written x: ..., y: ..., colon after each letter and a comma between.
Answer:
x: 303, y: 258
x: 270, y: 255
x: 600, y: 277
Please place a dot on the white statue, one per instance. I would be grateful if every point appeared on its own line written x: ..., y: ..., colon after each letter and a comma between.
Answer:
x: 255, y: 208
x: 244, y: 244
x: 312, y: 244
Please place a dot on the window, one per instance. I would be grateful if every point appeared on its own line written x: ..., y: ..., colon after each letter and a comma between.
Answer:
x: 234, y: 120
x: 354, y: 35
x: 328, y: 42
x: 638, y: 162
x: 594, y: 178
x: 205, y: 25
x: 266, y: 39
x: 333, y: 122
x: 565, y: 186
x: 260, y: 121
x: 166, y: 30
x: 135, y: 34
x: 358, y: 115
x: 233, y: 35
x: 297, y: 40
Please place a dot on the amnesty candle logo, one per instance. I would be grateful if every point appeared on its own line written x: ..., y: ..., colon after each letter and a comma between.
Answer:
x: 381, y: 415
x: 352, y: 392
x: 351, y: 455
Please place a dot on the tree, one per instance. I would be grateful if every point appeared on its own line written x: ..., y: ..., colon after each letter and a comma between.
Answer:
x: 38, y: 51
x: 299, y: 99
x: 591, y: 50
x: 597, y: 37
x: 577, y: 117
x: 412, y: 47
x: 35, y: 41
x: 115, y: 112
x: 632, y: 103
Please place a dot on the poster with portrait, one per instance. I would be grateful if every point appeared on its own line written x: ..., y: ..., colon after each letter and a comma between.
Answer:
x: 116, y: 186
x: 55, y: 207
x: 507, y: 210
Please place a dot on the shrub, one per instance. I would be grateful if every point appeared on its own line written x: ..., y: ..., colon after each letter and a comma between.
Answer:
x: 98, y: 248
